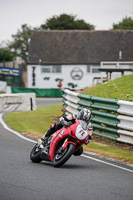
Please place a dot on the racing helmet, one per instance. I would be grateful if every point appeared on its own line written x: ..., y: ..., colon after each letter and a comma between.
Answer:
x: 85, y: 115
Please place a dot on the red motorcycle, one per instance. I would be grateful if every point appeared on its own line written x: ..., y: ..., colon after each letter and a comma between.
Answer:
x: 59, y: 147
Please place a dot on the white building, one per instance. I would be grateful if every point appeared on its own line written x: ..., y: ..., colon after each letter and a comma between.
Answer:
x: 78, y: 58
x: 48, y: 76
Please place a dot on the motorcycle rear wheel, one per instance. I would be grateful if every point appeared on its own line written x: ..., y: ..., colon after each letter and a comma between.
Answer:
x: 35, y: 154
x: 61, y: 158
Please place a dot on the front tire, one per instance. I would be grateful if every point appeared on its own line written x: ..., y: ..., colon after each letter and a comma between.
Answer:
x: 79, y: 151
x: 35, y: 154
x: 61, y: 158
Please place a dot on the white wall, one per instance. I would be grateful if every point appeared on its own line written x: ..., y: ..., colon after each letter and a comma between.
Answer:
x: 17, y: 102
x: 66, y: 74
x: 3, y: 86
x: 67, y: 70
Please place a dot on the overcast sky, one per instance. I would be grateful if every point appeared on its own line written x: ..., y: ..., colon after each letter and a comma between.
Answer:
x: 101, y: 13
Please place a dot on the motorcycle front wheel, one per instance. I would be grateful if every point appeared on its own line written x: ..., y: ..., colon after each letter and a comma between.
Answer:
x: 62, y: 156
x: 35, y: 154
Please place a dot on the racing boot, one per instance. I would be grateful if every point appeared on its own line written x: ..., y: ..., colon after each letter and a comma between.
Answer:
x: 44, y: 137
x: 41, y: 140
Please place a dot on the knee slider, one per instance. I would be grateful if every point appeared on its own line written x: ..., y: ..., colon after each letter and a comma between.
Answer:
x: 52, y: 126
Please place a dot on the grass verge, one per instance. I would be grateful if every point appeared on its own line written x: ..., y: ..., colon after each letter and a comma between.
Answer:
x: 111, y: 152
x: 37, y: 122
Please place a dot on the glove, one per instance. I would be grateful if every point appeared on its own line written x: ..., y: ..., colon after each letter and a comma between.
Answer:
x: 61, y: 119
x: 88, y: 141
x: 90, y: 128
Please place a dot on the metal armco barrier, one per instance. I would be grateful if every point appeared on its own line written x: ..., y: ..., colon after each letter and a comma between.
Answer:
x: 111, y: 118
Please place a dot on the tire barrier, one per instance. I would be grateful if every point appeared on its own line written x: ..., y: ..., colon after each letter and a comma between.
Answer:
x: 111, y: 118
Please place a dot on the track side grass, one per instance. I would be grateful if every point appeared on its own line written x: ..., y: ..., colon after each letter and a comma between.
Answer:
x: 36, y: 122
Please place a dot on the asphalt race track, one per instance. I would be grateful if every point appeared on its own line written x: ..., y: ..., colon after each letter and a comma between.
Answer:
x: 48, y: 101
x: 81, y: 178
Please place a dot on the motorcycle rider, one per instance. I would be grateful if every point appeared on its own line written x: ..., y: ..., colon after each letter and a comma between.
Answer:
x: 66, y: 121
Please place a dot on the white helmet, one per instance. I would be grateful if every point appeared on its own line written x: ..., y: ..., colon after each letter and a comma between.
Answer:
x: 85, y: 115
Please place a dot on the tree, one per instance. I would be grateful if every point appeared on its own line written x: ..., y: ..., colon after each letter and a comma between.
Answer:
x: 125, y: 24
x: 66, y: 22
x: 20, y: 43
x: 5, y: 55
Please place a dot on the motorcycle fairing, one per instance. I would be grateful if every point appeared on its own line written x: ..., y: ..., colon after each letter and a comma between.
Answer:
x: 57, y: 137
x: 63, y: 133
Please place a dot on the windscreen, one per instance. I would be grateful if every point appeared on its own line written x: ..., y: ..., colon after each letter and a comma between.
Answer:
x: 83, y: 124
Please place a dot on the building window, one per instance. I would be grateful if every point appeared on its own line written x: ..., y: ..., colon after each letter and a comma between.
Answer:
x: 46, y: 69
x: 56, y: 69
x: 93, y: 68
x: 51, y: 69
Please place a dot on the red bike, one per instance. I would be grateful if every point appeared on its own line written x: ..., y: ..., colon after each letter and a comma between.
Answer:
x: 62, y: 145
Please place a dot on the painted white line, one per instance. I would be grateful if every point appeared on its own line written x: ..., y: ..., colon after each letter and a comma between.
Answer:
x: 16, y: 133
x: 89, y: 157
x: 95, y: 159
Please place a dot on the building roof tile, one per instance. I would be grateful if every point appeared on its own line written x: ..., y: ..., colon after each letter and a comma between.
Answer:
x: 80, y: 46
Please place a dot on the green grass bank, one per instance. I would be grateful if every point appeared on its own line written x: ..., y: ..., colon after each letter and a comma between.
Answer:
x: 120, y: 88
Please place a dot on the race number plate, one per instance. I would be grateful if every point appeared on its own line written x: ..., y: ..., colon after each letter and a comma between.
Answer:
x: 81, y: 134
